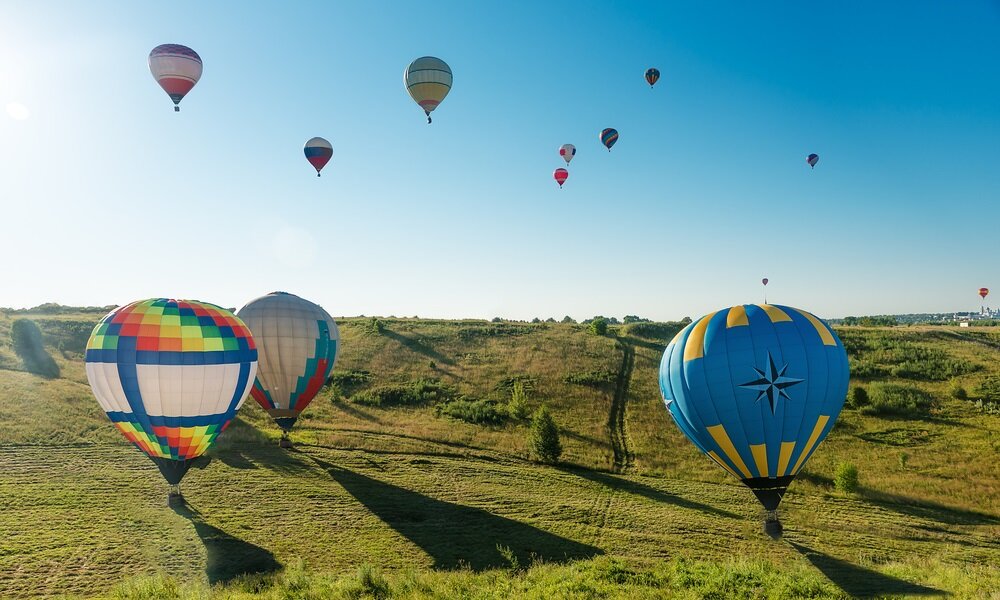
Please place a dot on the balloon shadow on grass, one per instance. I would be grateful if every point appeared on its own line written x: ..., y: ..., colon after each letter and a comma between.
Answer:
x: 456, y: 536
x: 243, y: 446
x: 639, y: 489
x: 859, y: 582
x: 228, y: 557
x: 418, y: 346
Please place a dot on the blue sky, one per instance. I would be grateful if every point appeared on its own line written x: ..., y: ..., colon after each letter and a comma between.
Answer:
x: 109, y: 196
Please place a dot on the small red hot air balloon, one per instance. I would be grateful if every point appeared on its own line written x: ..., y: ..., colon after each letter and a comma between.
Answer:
x: 983, y: 292
x: 560, y: 175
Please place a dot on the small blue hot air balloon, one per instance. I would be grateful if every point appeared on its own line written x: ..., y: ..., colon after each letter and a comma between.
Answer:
x: 756, y: 388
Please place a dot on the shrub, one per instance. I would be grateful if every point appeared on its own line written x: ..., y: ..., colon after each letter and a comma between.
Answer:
x: 857, y: 397
x: 376, y: 326
x: 591, y: 378
x: 957, y: 392
x: 479, y: 412
x: 545, y: 437
x: 661, y: 332
x: 28, y: 345
x: 890, y: 399
x: 422, y: 391
x: 567, y: 319
x: 517, y: 407
x: 989, y: 390
x: 846, y: 478
x: 599, y: 326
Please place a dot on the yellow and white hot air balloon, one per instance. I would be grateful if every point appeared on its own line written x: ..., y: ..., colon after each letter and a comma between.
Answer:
x: 297, y: 343
x: 428, y: 81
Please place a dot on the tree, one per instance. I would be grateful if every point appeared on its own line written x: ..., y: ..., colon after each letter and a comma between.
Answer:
x: 567, y: 319
x: 634, y: 319
x: 517, y: 407
x: 545, y: 437
x: 536, y: 320
x: 28, y: 345
x: 599, y: 325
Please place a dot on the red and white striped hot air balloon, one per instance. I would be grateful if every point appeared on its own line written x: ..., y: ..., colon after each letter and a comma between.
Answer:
x: 176, y: 68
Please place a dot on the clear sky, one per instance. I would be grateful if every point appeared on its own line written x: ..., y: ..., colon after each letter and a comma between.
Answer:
x: 109, y: 196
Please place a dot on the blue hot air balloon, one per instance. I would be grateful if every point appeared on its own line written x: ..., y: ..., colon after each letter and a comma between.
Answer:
x: 756, y: 388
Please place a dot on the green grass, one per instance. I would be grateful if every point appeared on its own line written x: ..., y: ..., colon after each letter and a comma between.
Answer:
x: 439, y: 507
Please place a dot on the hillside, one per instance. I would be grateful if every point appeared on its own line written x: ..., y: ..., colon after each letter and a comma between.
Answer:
x: 409, y: 460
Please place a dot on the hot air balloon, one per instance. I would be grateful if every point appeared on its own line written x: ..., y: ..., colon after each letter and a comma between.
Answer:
x: 609, y: 137
x: 171, y: 375
x: 756, y: 388
x: 298, y: 343
x: 763, y: 282
x: 318, y: 152
x: 983, y: 292
x: 176, y: 68
x: 652, y: 76
x: 560, y: 175
x: 567, y: 152
x: 428, y: 80
x: 812, y: 159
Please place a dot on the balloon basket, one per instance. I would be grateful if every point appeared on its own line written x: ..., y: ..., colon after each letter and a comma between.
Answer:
x: 177, y: 109
x: 174, y: 497
x: 772, y: 526
x: 285, y: 441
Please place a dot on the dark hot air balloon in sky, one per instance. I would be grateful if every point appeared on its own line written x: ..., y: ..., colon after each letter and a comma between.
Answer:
x: 652, y: 76
x: 812, y: 159
x: 756, y: 388
x: 609, y: 137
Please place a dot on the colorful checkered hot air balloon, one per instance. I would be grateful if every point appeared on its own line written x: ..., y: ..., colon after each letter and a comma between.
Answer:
x: 298, y: 343
x: 567, y: 152
x: 560, y: 175
x: 756, y: 388
x: 428, y: 80
x: 609, y: 137
x: 176, y: 68
x: 171, y: 375
x: 318, y: 152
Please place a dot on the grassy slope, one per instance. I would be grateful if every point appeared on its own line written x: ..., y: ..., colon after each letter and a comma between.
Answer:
x: 402, y: 488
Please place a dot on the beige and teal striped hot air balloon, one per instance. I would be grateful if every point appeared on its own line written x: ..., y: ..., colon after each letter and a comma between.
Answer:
x: 428, y: 81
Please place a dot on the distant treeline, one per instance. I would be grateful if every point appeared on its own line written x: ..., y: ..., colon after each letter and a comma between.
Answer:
x: 869, y: 321
x: 51, y: 308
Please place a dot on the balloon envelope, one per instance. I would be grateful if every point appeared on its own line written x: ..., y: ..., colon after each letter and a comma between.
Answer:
x: 567, y: 152
x: 983, y: 292
x: 560, y: 175
x: 428, y: 80
x: 812, y: 159
x: 652, y: 76
x: 176, y: 68
x: 609, y: 137
x: 298, y: 343
x: 171, y: 375
x: 756, y: 388
x: 318, y: 152
x: 764, y: 281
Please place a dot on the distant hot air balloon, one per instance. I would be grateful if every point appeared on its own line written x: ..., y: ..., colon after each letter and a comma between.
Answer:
x: 652, y: 76
x: 567, y: 152
x: 176, y: 68
x: 318, y: 152
x: 764, y: 281
x: 983, y: 292
x: 812, y: 159
x: 428, y: 80
x: 756, y: 388
x: 298, y: 343
x: 171, y: 375
x: 560, y: 175
x: 609, y: 137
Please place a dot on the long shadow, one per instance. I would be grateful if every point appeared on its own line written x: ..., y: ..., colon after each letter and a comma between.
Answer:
x: 355, y: 412
x: 860, y: 582
x: 418, y: 346
x: 604, y: 443
x: 639, y: 489
x: 456, y: 536
x: 928, y: 510
x: 243, y: 446
x: 228, y: 557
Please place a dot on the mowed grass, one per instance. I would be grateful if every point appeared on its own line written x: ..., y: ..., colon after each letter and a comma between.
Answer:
x: 442, y: 508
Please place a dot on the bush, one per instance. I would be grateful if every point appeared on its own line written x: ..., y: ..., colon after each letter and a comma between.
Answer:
x: 517, y: 407
x: 376, y: 326
x: 595, y: 379
x: 846, y: 478
x: 28, y: 345
x: 890, y: 399
x: 599, y: 326
x: 661, y: 332
x: 479, y: 412
x: 419, y: 392
x: 957, y: 392
x: 545, y: 437
x: 857, y: 397
x: 989, y: 390
x: 567, y: 319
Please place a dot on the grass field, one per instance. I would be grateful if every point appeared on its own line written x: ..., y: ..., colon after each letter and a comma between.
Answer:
x: 383, y: 501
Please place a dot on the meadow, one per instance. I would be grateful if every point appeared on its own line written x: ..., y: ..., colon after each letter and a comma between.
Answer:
x: 410, y: 478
